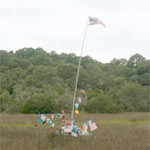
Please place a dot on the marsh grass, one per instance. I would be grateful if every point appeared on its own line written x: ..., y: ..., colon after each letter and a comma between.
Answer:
x: 126, y: 131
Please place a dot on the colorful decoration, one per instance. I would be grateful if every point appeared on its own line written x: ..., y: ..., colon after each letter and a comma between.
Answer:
x: 70, y: 127
x: 76, y: 105
x: 82, y: 91
x: 77, y: 112
x: 92, y: 125
x: 79, y: 100
x: 44, y: 119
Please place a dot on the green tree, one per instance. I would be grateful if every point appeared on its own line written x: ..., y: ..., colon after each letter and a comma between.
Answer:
x: 133, y: 97
x: 134, y: 60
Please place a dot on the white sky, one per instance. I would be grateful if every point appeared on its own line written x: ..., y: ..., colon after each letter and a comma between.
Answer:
x: 59, y: 25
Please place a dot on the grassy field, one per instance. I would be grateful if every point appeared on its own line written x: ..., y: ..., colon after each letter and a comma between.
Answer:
x: 124, y: 131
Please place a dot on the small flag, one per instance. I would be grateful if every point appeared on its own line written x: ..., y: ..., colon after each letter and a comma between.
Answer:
x: 68, y: 126
x: 82, y: 91
x: 76, y: 105
x: 51, y: 122
x: 93, y: 21
x: 44, y: 119
x: 79, y: 100
x: 76, y: 112
x: 93, y: 126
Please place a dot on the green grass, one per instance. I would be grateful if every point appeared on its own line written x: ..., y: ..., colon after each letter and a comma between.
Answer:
x: 124, y: 131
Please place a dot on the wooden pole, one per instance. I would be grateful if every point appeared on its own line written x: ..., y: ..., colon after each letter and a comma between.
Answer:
x: 78, y: 71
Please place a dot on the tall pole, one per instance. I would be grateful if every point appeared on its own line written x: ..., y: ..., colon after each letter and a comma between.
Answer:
x: 78, y: 70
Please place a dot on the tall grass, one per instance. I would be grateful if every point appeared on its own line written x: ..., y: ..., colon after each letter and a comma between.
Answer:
x: 125, y: 131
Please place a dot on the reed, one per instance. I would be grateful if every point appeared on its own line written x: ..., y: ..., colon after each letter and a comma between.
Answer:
x: 124, y: 131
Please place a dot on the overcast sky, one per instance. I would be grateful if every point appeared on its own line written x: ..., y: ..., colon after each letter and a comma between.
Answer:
x: 59, y: 25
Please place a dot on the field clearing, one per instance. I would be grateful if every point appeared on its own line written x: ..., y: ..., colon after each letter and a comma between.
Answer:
x: 123, y: 131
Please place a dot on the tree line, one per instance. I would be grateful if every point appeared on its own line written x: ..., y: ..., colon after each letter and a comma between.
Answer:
x: 35, y: 81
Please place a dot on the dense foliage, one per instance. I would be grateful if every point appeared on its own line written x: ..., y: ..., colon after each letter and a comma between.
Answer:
x: 34, y: 81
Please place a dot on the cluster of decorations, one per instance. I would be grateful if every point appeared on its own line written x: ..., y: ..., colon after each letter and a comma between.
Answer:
x: 76, y: 105
x: 70, y: 127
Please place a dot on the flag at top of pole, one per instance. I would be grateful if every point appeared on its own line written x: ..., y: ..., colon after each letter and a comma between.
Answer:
x: 93, y: 21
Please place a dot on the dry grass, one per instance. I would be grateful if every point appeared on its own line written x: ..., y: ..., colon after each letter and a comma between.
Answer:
x: 125, y: 131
